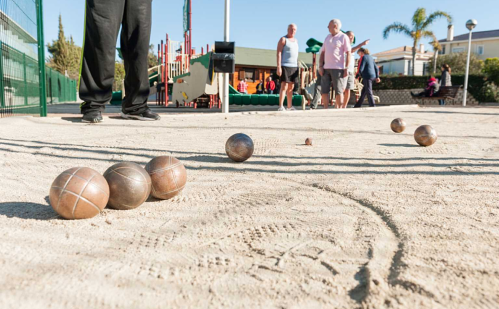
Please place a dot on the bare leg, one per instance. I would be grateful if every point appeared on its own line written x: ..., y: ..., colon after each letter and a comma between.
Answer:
x: 339, y: 100
x: 325, y: 100
x: 291, y: 86
x: 282, y: 93
x: 346, y: 98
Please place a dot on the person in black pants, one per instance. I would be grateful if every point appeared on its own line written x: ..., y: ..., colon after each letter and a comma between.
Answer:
x: 369, y: 73
x: 103, y: 20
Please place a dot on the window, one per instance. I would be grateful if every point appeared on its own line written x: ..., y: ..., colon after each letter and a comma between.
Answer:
x: 250, y: 74
x: 457, y: 50
x: 479, y: 49
x: 442, y: 52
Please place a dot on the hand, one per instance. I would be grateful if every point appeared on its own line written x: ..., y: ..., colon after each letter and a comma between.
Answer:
x: 345, y: 72
x: 321, y: 71
x: 279, y: 71
x: 365, y: 42
x: 378, y: 80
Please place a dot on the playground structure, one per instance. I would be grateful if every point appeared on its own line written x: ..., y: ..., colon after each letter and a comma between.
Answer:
x: 186, y: 78
x: 189, y: 80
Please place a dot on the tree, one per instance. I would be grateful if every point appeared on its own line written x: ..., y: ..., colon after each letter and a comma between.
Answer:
x: 420, y: 29
x: 491, y: 70
x: 436, y: 49
x: 65, y: 54
x: 457, y: 63
x: 119, y: 75
x: 152, y: 58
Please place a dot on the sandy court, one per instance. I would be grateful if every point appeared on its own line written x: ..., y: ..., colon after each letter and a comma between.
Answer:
x: 363, y: 218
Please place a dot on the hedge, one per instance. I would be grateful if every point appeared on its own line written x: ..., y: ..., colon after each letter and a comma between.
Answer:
x: 477, y: 85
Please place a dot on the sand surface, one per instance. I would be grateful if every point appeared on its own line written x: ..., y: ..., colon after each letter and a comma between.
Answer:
x: 364, y: 218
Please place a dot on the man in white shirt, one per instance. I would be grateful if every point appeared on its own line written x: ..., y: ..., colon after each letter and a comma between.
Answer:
x: 334, y: 62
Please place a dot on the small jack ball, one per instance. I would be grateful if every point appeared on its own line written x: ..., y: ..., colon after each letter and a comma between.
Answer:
x: 308, y: 142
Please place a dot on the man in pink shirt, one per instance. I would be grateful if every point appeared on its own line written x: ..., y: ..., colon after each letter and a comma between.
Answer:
x: 334, y: 62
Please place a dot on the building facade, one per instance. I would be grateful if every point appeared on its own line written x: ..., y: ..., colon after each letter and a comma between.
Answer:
x: 399, y: 61
x: 485, y: 44
x: 256, y: 64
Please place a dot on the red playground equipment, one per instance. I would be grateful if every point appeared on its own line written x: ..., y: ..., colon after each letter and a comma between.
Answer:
x: 175, y: 60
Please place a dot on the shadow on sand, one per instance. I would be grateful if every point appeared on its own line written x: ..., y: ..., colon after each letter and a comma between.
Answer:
x: 27, y: 210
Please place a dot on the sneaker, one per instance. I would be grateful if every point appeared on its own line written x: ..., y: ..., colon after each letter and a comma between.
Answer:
x: 281, y: 109
x: 147, y: 115
x: 92, y: 117
x: 312, y: 107
x: 291, y: 109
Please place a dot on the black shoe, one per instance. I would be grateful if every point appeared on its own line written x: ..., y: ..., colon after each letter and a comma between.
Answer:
x: 147, y: 115
x: 92, y: 117
x: 413, y: 95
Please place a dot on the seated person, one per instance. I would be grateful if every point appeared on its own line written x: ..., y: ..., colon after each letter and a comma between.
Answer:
x: 430, y: 90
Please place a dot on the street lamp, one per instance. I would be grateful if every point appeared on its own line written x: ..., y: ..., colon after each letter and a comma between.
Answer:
x: 225, y: 92
x: 470, y: 24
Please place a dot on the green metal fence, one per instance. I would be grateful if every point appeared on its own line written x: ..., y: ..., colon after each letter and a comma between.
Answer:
x: 25, y: 85
x: 60, y: 88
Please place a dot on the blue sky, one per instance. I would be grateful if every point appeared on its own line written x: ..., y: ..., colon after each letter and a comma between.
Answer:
x: 260, y: 23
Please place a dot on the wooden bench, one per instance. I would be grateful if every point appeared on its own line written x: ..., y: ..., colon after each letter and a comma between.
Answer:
x: 445, y: 93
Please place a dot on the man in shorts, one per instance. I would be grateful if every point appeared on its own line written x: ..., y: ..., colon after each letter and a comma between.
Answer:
x: 287, y: 66
x: 334, y: 62
x: 350, y: 85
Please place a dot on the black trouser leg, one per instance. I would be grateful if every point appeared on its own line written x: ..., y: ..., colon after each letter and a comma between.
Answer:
x: 135, y: 37
x: 369, y: 90
x: 102, y: 24
x: 362, y: 94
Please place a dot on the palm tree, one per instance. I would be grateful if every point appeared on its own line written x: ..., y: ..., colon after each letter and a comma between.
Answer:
x: 436, y: 49
x: 420, y: 29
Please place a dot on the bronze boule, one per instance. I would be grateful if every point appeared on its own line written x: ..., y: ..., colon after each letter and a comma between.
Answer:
x: 425, y: 135
x: 398, y: 125
x: 79, y: 193
x: 129, y: 185
x: 168, y: 176
x: 239, y: 147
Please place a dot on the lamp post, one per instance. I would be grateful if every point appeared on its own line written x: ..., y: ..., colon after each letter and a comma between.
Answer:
x: 470, y: 24
x: 225, y: 96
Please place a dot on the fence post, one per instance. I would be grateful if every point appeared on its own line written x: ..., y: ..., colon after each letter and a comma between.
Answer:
x: 25, y: 81
x: 41, y: 58
x: 2, y: 96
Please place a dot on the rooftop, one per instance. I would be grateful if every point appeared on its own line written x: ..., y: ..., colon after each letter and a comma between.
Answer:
x: 399, y: 50
x: 478, y: 35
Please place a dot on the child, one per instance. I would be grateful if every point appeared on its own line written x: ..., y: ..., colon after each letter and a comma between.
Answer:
x: 430, y: 90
